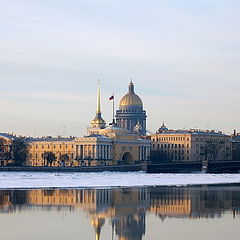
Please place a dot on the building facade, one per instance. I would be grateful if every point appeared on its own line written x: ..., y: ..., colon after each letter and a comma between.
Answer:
x: 62, y: 151
x: 6, y: 153
x: 190, y: 145
x: 236, y: 147
x: 131, y: 113
x: 111, y: 145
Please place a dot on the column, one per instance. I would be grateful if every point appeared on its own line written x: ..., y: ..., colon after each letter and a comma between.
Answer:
x: 77, y: 151
x: 93, y: 152
x: 97, y: 152
x: 83, y: 151
x: 109, y: 152
x: 100, y: 151
x: 140, y: 153
x: 144, y: 153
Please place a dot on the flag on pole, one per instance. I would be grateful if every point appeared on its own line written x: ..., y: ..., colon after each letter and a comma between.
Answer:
x: 112, y: 97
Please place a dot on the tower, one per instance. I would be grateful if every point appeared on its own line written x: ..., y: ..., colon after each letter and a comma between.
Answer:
x: 131, y: 111
x: 98, y: 121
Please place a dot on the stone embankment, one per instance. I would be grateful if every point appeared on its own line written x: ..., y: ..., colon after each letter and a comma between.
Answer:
x: 119, y: 168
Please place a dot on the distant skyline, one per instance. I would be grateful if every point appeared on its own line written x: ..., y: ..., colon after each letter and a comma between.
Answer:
x: 183, y: 56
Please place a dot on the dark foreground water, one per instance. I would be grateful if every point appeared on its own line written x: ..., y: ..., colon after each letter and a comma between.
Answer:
x: 148, y: 213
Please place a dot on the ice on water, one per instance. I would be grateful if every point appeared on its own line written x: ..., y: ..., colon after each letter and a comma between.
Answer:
x: 108, y: 179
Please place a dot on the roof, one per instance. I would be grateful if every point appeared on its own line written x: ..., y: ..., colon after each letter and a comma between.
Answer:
x: 95, y: 136
x: 236, y: 139
x: 8, y: 136
x: 50, y: 139
x: 193, y: 132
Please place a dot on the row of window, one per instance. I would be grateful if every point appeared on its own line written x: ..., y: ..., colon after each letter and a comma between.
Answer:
x: 174, y: 151
x: 164, y: 145
x: 49, y: 146
x: 71, y: 155
x: 163, y: 139
x: 211, y: 140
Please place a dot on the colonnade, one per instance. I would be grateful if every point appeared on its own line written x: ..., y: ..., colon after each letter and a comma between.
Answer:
x: 144, y: 153
x: 85, y: 151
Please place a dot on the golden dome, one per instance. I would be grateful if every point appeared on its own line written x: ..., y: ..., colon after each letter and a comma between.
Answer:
x: 130, y: 99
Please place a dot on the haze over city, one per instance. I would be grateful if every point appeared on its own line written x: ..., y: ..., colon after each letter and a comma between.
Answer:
x: 183, y: 57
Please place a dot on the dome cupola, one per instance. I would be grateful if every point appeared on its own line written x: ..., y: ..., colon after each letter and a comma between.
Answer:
x: 130, y: 99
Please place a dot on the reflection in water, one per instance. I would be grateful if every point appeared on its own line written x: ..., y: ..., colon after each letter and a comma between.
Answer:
x: 126, y: 208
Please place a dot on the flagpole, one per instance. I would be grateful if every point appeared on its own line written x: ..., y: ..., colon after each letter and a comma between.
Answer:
x: 113, y: 110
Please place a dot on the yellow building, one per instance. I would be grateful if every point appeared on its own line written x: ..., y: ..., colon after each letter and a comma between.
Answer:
x: 103, y: 145
x: 191, y: 145
x: 37, y: 148
x: 5, y: 148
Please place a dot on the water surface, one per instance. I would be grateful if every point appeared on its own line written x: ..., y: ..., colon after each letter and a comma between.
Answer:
x: 130, y: 213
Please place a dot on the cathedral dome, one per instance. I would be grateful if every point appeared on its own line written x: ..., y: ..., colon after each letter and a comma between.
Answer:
x: 130, y: 99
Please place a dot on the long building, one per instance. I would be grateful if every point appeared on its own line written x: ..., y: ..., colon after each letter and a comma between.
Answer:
x: 190, y: 145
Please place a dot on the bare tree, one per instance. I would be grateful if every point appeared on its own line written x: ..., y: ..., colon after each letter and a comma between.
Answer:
x: 49, y: 158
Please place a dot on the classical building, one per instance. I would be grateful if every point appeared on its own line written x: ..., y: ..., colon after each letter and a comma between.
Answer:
x: 63, y: 150
x: 6, y: 155
x: 111, y: 145
x: 190, y: 145
x: 131, y: 113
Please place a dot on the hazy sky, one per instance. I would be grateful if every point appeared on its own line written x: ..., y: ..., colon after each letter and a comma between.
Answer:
x: 183, y: 56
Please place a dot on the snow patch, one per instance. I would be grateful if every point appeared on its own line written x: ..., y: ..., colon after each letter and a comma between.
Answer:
x: 108, y: 179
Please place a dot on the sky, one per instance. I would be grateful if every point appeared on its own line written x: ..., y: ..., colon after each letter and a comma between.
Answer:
x: 183, y: 57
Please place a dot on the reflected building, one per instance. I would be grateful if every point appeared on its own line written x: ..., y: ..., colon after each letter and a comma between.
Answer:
x: 171, y: 202
x: 125, y: 209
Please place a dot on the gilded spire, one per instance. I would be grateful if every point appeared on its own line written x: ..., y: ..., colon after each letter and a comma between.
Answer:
x: 97, y: 223
x: 98, y: 122
x: 98, y: 98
